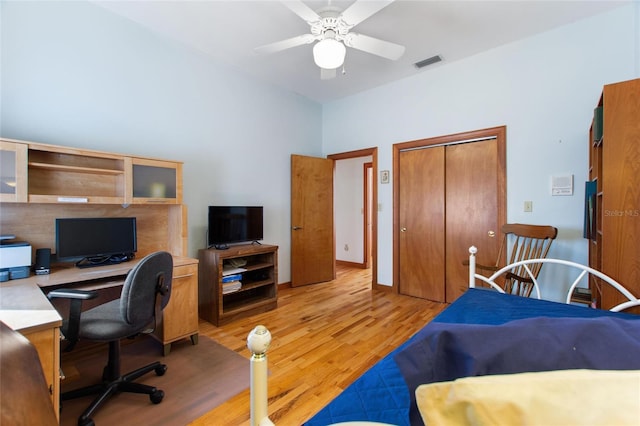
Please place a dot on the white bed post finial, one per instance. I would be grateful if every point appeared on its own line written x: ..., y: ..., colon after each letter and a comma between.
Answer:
x: 472, y: 266
x: 258, y: 342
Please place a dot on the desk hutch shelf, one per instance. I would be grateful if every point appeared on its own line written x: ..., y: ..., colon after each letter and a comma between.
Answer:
x: 42, y: 173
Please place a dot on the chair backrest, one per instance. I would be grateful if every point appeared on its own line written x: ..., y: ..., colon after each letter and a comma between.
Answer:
x: 523, y: 242
x: 149, y: 279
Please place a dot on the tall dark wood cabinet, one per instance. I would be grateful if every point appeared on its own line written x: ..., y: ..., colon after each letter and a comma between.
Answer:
x: 614, y: 166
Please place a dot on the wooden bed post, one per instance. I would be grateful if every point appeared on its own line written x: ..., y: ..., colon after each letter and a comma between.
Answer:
x: 472, y: 266
x: 258, y: 342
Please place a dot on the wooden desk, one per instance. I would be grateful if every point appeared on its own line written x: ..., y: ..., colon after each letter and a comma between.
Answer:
x: 179, y: 318
x: 67, y: 274
x: 25, y: 308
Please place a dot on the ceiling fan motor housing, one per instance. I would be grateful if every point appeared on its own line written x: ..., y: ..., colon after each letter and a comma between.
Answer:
x: 330, y: 26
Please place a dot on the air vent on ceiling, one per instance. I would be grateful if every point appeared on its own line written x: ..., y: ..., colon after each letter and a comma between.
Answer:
x: 428, y: 61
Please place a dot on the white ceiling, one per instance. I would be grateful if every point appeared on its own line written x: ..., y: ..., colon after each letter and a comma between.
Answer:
x: 229, y: 30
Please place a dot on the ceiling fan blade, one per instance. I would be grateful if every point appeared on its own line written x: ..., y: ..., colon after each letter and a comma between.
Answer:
x: 285, y: 44
x: 362, y: 9
x: 302, y: 10
x: 327, y: 74
x: 375, y: 46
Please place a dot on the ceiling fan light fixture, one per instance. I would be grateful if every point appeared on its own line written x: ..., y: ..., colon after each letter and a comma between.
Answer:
x: 329, y: 53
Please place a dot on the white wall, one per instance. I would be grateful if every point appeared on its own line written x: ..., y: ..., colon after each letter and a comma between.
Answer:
x: 75, y: 74
x: 348, y: 206
x: 543, y: 89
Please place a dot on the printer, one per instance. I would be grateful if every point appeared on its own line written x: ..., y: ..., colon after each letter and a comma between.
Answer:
x: 15, y: 259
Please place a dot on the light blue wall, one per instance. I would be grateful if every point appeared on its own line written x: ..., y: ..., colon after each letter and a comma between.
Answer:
x: 543, y: 89
x: 75, y: 74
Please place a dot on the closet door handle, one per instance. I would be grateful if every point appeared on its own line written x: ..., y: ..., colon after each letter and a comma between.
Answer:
x: 295, y: 228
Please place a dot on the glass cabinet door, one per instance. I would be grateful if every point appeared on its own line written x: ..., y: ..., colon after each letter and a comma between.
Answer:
x: 13, y: 172
x: 155, y: 181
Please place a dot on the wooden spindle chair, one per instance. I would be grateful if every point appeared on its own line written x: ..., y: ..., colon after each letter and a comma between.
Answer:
x: 521, y: 242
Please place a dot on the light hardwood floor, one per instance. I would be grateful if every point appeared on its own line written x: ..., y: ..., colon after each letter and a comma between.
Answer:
x: 324, y: 337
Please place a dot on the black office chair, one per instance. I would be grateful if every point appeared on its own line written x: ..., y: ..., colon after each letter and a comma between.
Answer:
x: 145, y: 293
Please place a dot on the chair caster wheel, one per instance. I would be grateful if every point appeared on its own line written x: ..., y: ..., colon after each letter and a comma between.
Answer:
x: 160, y: 370
x: 157, y: 396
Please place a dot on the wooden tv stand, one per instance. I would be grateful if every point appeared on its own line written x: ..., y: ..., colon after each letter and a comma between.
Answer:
x: 259, y: 290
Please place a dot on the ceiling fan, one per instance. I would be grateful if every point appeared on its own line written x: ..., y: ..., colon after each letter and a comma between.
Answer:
x: 331, y: 28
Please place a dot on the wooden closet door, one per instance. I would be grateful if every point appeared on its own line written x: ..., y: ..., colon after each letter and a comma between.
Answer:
x: 421, y: 221
x: 472, y: 205
x: 449, y: 194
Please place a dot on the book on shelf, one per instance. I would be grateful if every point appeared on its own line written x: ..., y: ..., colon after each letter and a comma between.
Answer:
x: 232, y: 277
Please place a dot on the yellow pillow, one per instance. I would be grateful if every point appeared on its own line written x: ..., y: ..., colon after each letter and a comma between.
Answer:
x: 566, y: 397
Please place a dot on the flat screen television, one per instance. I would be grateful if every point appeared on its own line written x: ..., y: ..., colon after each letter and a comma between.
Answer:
x: 234, y: 224
x: 96, y: 241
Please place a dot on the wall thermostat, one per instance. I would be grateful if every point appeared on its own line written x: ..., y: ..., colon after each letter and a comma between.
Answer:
x: 562, y: 184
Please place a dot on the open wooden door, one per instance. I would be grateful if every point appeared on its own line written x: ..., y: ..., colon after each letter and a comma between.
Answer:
x: 312, y: 233
x: 368, y: 214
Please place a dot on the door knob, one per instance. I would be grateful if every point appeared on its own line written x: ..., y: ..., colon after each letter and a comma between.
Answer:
x: 295, y: 228
x: 491, y: 234
x: 403, y: 229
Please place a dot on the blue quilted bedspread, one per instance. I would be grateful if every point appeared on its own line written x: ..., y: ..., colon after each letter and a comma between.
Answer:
x: 381, y: 394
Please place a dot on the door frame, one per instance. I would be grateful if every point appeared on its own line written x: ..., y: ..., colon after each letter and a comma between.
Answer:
x: 367, y: 213
x: 366, y: 152
x: 499, y: 133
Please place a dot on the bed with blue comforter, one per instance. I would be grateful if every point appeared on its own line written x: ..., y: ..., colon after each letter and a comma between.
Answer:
x: 483, y: 333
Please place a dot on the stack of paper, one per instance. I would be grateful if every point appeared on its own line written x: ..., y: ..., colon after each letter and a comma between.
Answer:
x: 231, y: 283
x: 231, y: 286
x: 230, y: 270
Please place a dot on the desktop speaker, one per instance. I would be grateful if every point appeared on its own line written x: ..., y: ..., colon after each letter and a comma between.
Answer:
x: 43, y: 261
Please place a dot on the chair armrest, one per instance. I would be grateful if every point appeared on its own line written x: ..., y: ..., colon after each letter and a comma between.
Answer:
x: 68, y: 293
x: 481, y: 266
x: 512, y: 276
x: 71, y: 327
x: 486, y: 268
